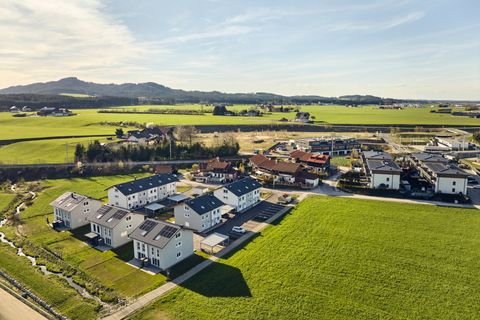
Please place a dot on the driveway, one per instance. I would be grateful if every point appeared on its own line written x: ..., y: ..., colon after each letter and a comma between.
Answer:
x: 245, y: 217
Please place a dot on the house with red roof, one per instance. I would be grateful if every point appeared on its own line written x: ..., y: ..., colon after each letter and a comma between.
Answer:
x: 320, y: 163
x: 216, y: 171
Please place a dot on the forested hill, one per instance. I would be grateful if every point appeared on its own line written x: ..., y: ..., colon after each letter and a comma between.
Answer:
x: 156, y: 93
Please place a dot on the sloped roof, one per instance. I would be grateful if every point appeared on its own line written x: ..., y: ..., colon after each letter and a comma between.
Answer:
x: 441, y: 169
x: 244, y: 186
x: 143, y: 184
x: 382, y: 166
x: 286, y: 167
x: 69, y: 201
x: 108, y: 216
x: 204, y: 204
x: 427, y: 157
x: 155, y: 233
x: 309, y: 157
x: 375, y: 155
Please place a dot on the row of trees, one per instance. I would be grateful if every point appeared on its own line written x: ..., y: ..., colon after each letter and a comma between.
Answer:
x: 97, y: 152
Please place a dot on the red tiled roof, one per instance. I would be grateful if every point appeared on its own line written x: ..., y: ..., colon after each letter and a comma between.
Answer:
x: 287, y: 167
x: 309, y: 157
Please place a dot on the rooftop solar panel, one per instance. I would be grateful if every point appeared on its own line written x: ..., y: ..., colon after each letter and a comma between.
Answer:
x: 119, y: 214
x: 103, y: 210
x: 148, y: 225
x: 168, y: 231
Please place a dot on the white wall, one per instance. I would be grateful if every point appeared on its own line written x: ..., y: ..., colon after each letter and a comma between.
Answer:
x: 77, y: 217
x: 181, y: 243
x: 451, y: 185
x: 142, y: 198
x: 392, y: 181
x: 239, y: 203
x: 186, y: 216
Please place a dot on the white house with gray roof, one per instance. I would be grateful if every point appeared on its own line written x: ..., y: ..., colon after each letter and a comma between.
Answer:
x: 445, y: 177
x: 381, y: 171
x: 161, y: 243
x: 241, y: 194
x: 113, y: 225
x: 200, y: 214
x: 71, y: 210
x: 140, y: 192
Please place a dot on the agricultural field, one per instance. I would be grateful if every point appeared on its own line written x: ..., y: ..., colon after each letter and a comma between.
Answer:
x: 88, y: 121
x: 334, y: 258
x: 43, y: 151
x: 5, y: 199
x: 108, y: 268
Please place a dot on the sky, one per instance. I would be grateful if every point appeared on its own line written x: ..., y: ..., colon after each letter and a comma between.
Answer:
x: 427, y: 49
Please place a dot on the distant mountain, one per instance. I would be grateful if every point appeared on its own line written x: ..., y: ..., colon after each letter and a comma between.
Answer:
x: 156, y: 93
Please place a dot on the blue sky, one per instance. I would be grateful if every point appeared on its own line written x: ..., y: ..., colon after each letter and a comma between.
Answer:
x: 389, y: 48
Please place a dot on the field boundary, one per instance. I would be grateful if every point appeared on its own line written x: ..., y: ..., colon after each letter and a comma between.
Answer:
x: 12, y: 141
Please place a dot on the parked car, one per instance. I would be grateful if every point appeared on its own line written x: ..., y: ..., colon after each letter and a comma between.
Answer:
x: 238, y: 229
x: 261, y: 217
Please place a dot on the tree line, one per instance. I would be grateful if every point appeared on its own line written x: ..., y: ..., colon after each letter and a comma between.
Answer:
x: 97, y: 152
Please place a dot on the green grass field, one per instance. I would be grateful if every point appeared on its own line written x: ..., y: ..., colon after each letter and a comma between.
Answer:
x: 343, y: 259
x: 5, y: 199
x: 63, y: 298
x: 87, y: 122
x: 108, y: 268
x: 43, y: 151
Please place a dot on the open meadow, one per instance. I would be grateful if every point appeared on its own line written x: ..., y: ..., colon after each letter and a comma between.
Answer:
x: 88, y: 121
x: 334, y: 258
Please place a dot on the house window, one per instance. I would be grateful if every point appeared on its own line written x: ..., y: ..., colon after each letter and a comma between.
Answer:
x: 178, y: 235
x: 179, y: 254
x: 454, y: 183
x: 225, y: 191
x: 187, y: 215
x: 179, y: 244
x: 129, y: 218
x: 388, y: 179
x: 138, y: 245
x: 453, y: 190
x: 187, y: 208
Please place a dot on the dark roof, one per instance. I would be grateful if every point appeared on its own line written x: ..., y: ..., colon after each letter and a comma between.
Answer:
x: 138, y: 185
x: 303, y: 175
x: 310, y: 158
x: 286, y: 167
x: 154, y: 232
x: 441, y: 169
x: 204, y: 204
x: 383, y: 166
x: 68, y: 201
x: 244, y: 186
x: 427, y: 157
x: 375, y: 155
x: 108, y: 216
x: 217, y: 165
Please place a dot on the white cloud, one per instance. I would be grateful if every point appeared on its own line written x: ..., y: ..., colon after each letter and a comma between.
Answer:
x: 379, y: 25
x: 45, y: 39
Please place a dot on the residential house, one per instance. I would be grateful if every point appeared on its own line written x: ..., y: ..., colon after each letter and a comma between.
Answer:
x: 302, y: 117
x: 216, y: 171
x: 241, y: 194
x: 150, y: 135
x: 140, y: 192
x: 282, y: 173
x: 381, y: 171
x: 71, y: 210
x: 332, y: 146
x: 112, y: 225
x: 161, y: 244
x: 319, y: 163
x: 200, y: 214
x: 445, y: 177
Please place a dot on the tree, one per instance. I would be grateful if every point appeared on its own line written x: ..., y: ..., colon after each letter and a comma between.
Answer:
x: 219, y: 110
x: 79, y: 152
x: 185, y: 133
x: 119, y: 132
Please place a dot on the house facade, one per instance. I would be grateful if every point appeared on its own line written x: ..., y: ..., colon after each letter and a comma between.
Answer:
x: 199, y: 214
x: 113, y: 225
x: 443, y: 176
x: 241, y: 195
x: 320, y: 163
x: 332, y: 146
x: 381, y: 171
x: 71, y: 210
x: 139, y: 193
x: 162, y: 244
x: 216, y: 171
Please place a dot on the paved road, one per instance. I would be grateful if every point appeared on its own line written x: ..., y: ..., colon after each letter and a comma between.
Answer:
x: 13, y: 309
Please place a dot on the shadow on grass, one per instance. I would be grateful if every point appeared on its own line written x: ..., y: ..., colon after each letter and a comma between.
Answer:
x: 185, y: 265
x: 124, y: 252
x: 219, y: 280
x: 79, y: 233
x: 242, y: 246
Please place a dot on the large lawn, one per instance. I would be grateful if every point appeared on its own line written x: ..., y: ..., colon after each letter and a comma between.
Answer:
x: 87, y: 122
x: 106, y: 267
x: 343, y: 259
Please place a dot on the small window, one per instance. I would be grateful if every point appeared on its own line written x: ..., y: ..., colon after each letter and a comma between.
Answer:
x: 179, y: 244
x: 178, y: 235
x: 388, y: 179
x: 179, y: 254
x: 453, y: 190
x: 454, y: 183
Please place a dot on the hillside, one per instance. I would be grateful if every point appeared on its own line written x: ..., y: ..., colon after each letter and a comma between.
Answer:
x: 157, y: 93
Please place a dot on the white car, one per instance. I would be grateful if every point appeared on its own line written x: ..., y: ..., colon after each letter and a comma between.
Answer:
x: 238, y: 229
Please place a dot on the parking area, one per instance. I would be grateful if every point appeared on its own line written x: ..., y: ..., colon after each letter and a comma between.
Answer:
x: 249, y: 219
